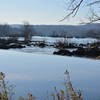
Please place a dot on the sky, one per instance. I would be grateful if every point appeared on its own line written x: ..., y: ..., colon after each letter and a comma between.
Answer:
x: 36, y: 12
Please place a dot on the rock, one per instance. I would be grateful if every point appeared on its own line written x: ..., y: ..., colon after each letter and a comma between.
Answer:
x: 63, y: 52
x: 87, y: 52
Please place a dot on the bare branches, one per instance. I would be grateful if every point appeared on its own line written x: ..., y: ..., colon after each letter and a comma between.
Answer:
x: 92, y: 3
x: 94, y: 16
x: 74, y: 6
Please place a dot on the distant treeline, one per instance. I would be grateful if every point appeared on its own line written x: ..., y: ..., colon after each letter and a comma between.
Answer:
x: 10, y: 31
x: 17, y: 30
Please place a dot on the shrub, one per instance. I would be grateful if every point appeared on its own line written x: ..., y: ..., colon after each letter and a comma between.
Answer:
x: 41, y: 44
x: 63, y: 52
x: 6, y: 91
x: 61, y: 44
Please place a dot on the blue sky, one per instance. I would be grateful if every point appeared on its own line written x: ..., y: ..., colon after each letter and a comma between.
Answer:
x: 34, y: 11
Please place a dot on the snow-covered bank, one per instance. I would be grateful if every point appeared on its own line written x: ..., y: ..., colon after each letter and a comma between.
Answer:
x: 70, y: 40
x: 39, y: 73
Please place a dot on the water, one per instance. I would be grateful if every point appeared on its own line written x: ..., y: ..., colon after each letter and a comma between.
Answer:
x: 40, y: 73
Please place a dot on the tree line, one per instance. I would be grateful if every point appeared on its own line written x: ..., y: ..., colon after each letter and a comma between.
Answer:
x: 26, y: 30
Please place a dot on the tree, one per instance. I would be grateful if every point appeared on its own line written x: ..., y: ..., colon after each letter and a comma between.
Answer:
x: 73, y: 6
x: 27, y: 32
x: 5, y: 30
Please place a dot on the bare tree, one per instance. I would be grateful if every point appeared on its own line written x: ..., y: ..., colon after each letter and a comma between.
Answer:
x: 5, y: 30
x: 27, y: 32
x: 73, y: 6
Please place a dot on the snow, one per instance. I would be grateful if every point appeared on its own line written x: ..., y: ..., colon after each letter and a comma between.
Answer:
x: 34, y: 49
x: 82, y: 40
x: 39, y: 73
x: 70, y: 40
x: 51, y: 40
